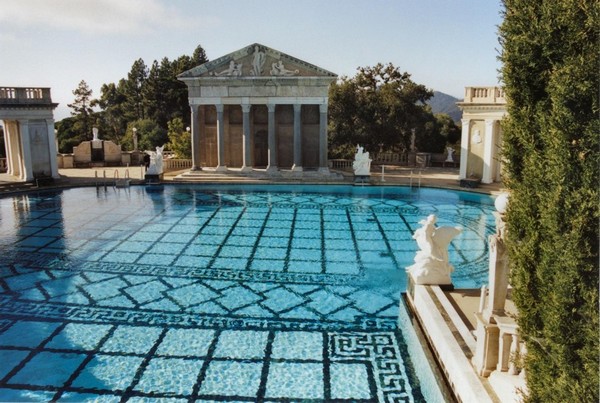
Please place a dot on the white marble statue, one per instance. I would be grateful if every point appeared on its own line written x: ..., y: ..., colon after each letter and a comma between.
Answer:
x: 258, y: 62
x: 413, y: 138
x: 362, y: 162
x: 95, y: 134
x: 156, y: 162
x: 278, y: 69
x: 450, y: 157
x: 432, y: 264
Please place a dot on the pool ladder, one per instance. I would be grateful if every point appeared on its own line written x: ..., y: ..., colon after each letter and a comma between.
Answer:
x: 411, y: 180
x: 122, y: 183
x: 117, y: 182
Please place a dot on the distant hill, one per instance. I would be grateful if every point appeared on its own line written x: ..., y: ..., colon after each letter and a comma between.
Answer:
x: 444, y: 103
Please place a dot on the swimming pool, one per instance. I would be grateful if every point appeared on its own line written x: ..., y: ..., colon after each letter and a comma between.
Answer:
x: 200, y: 293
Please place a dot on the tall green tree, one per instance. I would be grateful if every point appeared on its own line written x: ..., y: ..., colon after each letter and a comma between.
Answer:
x: 150, y: 135
x: 378, y: 107
x: 112, y: 102
x: 134, y: 90
x: 82, y: 111
x: 551, y: 143
x: 179, y: 139
x: 67, y: 135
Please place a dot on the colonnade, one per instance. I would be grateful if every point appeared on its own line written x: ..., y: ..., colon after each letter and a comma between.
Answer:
x: 247, y: 157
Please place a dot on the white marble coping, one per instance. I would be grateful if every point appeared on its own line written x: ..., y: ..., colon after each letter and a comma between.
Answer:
x: 459, y: 371
x: 457, y: 321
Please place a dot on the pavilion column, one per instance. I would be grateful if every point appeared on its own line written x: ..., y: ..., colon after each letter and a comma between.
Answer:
x: 272, y: 141
x: 297, y: 167
x: 7, y: 147
x: 15, y: 167
x: 464, y: 147
x: 196, y: 166
x: 26, y: 163
x: 247, y: 156
x: 488, y: 151
x: 323, y: 168
x: 52, y: 149
x: 220, y: 139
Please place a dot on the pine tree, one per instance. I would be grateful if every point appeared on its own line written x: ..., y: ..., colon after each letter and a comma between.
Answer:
x: 82, y: 110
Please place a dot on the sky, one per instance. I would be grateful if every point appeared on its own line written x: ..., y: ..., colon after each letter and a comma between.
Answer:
x: 445, y: 45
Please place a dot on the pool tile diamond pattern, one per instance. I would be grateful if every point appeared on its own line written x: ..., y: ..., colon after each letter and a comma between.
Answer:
x: 192, y: 294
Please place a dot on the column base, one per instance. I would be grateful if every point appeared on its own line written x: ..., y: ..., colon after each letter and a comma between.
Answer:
x: 324, y: 171
x: 221, y: 168
x: 246, y: 169
x: 273, y: 171
x: 296, y: 168
x: 195, y: 168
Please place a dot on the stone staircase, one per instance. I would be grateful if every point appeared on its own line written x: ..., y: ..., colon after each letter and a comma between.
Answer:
x: 256, y: 176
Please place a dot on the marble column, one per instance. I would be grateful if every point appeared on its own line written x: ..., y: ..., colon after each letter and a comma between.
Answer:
x: 52, y: 151
x: 297, y: 167
x: 26, y: 163
x: 7, y: 147
x: 220, y: 139
x: 464, y: 147
x: 15, y: 167
x: 195, y: 138
x: 323, y: 168
x: 247, y: 155
x: 488, y: 151
x: 272, y: 141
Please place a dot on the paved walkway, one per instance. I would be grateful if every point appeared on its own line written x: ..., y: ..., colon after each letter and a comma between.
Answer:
x: 393, y: 175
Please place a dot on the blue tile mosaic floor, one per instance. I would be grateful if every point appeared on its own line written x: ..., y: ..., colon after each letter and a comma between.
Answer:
x: 189, y: 293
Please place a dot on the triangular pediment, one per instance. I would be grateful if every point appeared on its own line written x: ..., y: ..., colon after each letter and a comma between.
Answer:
x: 256, y: 61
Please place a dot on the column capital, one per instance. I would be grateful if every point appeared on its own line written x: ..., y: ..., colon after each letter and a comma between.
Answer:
x: 220, y: 108
x: 271, y: 108
x: 246, y: 108
x: 465, y: 122
x: 297, y: 107
x: 323, y: 108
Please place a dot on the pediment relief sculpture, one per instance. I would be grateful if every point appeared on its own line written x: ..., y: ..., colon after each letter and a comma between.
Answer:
x: 256, y: 61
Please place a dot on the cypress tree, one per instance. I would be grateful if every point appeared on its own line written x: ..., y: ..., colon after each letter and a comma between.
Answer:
x: 551, y: 145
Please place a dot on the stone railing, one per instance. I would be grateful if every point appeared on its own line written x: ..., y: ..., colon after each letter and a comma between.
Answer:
x: 390, y: 158
x: 340, y: 163
x: 175, y: 164
x: 25, y: 95
x: 511, y: 348
x: 484, y: 95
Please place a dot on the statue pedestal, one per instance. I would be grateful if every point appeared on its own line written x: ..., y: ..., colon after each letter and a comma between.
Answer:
x: 362, y: 178
x: 442, y: 281
x: 153, y: 178
x: 487, y: 334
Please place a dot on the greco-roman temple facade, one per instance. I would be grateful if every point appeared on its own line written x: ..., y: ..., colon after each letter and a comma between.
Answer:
x: 258, y: 108
x: 483, y: 109
x: 27, y: 117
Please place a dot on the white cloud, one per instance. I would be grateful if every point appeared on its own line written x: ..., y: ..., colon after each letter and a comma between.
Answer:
x: 96, y: 16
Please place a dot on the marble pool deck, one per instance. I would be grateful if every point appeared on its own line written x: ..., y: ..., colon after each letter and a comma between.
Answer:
x: 458, y: 307
x: 437, y: 177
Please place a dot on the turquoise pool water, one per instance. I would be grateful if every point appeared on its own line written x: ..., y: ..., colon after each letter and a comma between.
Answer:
x: 239, y: 293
